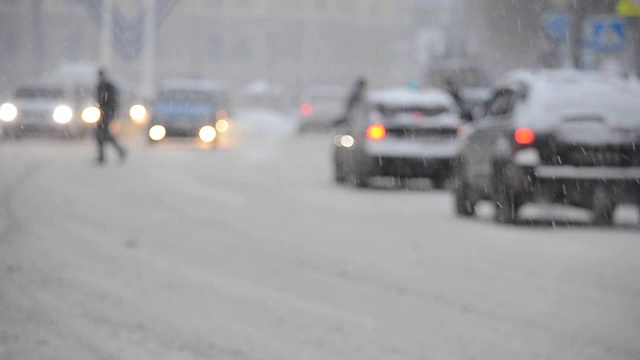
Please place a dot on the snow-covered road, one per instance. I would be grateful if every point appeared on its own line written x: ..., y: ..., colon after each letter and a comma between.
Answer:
x: 253, y: 253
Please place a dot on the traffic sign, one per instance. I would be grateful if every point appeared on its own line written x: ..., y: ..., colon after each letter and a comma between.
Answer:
x: 605, y: 34
x: 557, y: 24
x: 628, y: 8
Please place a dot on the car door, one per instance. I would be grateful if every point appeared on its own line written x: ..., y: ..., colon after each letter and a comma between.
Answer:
x: 487, y: 134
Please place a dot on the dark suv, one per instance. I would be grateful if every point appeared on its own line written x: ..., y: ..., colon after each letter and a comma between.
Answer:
x: 553, y: 136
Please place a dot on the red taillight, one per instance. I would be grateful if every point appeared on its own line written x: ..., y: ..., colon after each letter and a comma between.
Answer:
x: 376, y: 132
x: 524, y: 136
x: 306, y: 109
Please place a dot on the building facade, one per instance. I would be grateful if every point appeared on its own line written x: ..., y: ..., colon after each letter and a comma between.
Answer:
x: 296, y: 42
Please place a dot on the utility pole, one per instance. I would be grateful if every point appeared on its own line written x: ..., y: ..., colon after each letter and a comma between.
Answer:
x: 149, y: 50
x: 106, y: 33
x: 37, y: 35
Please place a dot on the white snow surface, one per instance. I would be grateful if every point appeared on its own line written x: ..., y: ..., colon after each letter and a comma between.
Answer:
x: 185, y: 253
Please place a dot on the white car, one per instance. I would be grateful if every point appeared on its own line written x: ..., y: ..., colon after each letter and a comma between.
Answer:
x: 398, y: 133
x: 43, y: 107
x: 553, y: 136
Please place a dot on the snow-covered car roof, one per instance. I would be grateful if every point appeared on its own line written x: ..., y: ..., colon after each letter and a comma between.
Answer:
x: 553, y: 95
x: 564, y: 77
x: 401, y: 97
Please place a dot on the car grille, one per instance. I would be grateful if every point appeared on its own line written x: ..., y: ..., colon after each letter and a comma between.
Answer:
x: 34, y: 116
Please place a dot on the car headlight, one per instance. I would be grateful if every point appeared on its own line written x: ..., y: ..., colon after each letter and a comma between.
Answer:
x: 222, y: 125
x: 91, y: 115
x: 8, y: 112
x: 157, y: 132
x: 138, y: 114
x: 207, y: 133
x: 62, y: 114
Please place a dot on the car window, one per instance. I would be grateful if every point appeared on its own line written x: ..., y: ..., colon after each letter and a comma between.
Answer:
x: 35, y: 93
x: 502, y: 104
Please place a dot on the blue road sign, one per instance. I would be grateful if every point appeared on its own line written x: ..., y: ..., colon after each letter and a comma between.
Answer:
x: 605, y: 34
x: 557, y: 25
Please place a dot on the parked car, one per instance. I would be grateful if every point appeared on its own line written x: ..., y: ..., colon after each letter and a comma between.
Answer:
x: 557, y: 137
x: 399, y: 133
x: 190, y: 108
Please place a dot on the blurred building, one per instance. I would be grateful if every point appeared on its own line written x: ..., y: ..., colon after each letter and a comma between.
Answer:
x: 293, y: 41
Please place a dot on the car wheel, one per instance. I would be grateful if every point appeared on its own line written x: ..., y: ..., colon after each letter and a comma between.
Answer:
x: 338, y: 171
x: 464, y: 205
x: 504, y: 197
x: 10, y: 134
x: 603, y: 207
x: 439, y: 181
x: 360, y: 181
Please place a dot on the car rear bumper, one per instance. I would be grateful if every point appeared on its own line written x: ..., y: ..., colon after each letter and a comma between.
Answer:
x: 576, y: 185
x: 587, y: 173
x: 412, y: 149
x: 409, y: 167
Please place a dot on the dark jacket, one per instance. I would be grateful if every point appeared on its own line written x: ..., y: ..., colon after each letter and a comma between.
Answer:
x: 107, y: 97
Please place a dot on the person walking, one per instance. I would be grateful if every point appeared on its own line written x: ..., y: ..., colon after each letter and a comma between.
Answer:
x: 355, y: 98
x: 107, y: 97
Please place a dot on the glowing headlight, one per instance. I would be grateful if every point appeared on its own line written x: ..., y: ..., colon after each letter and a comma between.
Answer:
x: 207, y: 133
x: 62, y: 114
x: 347, y: 141
x: 222, y: 125
x: 91, y: 115
x: 157, y: 132
x: 138, y: 114
x: 8, y: 112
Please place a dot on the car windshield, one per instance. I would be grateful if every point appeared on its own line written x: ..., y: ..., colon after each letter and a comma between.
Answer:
x: 320, y: 179
x: 187, y: 96
x: 39, y: 93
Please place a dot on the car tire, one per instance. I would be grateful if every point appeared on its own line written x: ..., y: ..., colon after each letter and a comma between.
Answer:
x: 360, y: 174
x: 361, y: 181
x: 10, y: 135
x: 603, y: 207
x: 504, y: 197
x: 338, y: 171
x: 464, y: 205
x: 439, y: 181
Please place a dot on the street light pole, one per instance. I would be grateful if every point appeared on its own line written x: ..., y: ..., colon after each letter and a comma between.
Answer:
x: 106, y: 33
x: 149, y: 50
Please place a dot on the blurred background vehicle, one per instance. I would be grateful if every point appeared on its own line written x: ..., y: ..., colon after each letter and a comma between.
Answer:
x: 553, y: 136
x: 265, y: 94
x: 465, y: 79
x: 187, y: 107
x: 321, y: 107
x: 44, y: 107
x: 399, y: 133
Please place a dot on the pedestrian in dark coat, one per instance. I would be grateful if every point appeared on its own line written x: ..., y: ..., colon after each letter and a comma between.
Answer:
x: 355, y: 98
x: 107, y: 97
